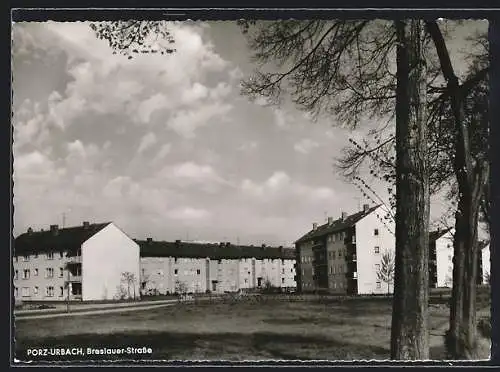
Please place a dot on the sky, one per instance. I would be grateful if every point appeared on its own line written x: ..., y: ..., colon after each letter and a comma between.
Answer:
x: 165, y: 146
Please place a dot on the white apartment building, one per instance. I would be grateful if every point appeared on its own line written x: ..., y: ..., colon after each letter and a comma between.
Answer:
x: 87, y: 262
x: 168, y: 267
x: 345, y: 255
x: 441, y: 241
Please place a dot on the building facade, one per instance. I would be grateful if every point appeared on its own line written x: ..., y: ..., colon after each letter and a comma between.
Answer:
x: 173, y: 267
x: 345, y: 255
x: 441, y: 243
x: 74, y: 263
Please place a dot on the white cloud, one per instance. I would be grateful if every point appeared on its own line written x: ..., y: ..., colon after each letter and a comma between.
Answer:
x: 186, y: 122
x: 164, y: 151
x: 248, y: 146
x: 188, y: 214
x: 280, y: 186
x: 147, y: 141
x: 150, y: 105
x: 305, y: 146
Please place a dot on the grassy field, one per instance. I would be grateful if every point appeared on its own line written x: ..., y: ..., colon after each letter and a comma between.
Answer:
x: 232, y: 331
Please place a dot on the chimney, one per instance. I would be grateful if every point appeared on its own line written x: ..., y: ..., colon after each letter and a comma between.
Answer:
x: 54, y: 229
x: 228, y: 244
x: 315, y: 225
x: 366, y: 207
x: 30, y: 230
x: 86, y: 224
x: 177, y: 242
x: 263, y: 246
x: 343, y: 216
x: 330, y: 220
x: 149, y: 240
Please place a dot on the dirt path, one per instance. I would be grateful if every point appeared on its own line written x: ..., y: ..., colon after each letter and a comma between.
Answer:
x: 436, y: 338
x: 96, y: 311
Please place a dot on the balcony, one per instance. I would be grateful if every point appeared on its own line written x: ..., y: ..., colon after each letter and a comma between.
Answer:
x: 75, y: 278
x: 74, y: 260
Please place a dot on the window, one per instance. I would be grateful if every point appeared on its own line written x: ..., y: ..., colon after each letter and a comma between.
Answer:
x: 35, y: 255
x: 175, y: 260
x: 50, y: 256
x: 283, y: 270
x: 61, y: 255
x: 35, y: 291
x: 219, y: 261
x: 246, y: 281
x: 61, y: 291
x: 198, y: 272
x: 143, y: 272
x: 354, y: 275
x: 377, y: 267
x: 49, y: 291
x: 378, y: 285
x: 49, y: 272
x: 35, y: 272
x: 282, y: 261
x: 61, y: 272
x: 449, y: 258
x: 26, y: 274
x: 377, y: 250
x: 15, y: 258
x: 334, y: 285
x: 333, y: 254
x: 333, y: 269
x: 16, y: 275
x: 340, y: 253
x: 26, y: 258
x: 176, y: 272
x: 16, y: 292
x: 282, y: 280
x: 25, y: 292
x: 375, y: 232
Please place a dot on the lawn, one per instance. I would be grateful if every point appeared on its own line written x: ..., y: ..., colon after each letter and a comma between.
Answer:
x: 351, y: 330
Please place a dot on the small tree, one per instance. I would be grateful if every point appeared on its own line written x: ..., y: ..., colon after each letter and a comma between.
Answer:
x: 386, y: 271
x: 129, y: 279
x: 181, y: 288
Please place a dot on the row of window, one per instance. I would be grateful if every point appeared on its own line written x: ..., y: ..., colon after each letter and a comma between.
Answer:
x: 49, y: 291
x: 49, y: 273
x: 48, y: 256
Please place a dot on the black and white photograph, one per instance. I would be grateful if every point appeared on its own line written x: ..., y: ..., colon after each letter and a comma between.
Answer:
x: 251, y: 190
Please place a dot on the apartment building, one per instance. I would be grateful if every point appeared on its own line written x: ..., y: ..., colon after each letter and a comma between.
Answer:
x: 84, y: 262
x: 344, y: 255
x: 169, y: 267
x: 441, y: 245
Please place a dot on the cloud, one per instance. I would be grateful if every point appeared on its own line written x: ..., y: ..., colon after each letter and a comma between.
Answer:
x: 248, y: 146
x: 163, y: 152
x: 305, y: 146
x: 188, y: 214
x: 186, y: 122
x: 150, y: 105
x: 280, y: 186
x: 147, y: 141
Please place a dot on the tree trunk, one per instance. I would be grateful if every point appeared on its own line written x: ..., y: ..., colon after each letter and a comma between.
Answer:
x: 494, y: 39
x: 409, y: 332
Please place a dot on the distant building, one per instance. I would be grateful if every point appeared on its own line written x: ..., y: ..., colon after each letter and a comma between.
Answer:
x: 441, y: 262
x: 167, y: 267
x: 86, y: 262
x: 486, y: 263
x: 344, y: 255
x: 100, y: 262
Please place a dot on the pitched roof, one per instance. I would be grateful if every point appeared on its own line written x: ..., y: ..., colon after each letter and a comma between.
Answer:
x: 337, y: 225
x: 68, y: 238
x: 436, y: 234
x: 210, y: 250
